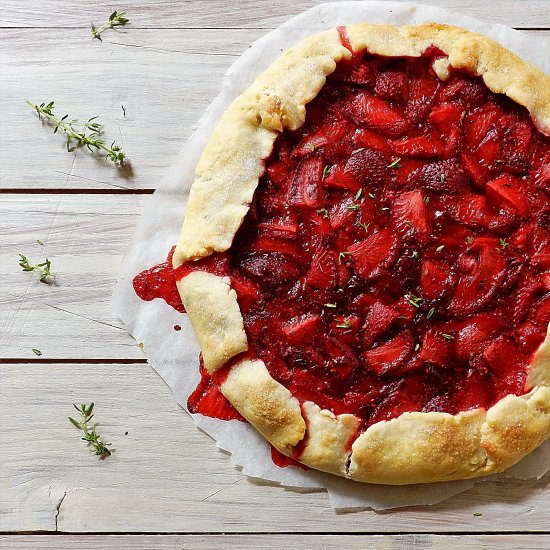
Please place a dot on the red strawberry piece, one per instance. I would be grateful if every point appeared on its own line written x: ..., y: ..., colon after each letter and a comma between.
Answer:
x: 452, y: 142
x: 247, y: 292
x: 403, y: 176
x: 285, y: 230
x: 477, y: 286
x: 342, y: 214
x: 278, y: 172
x: 446, y: 116
x: 266, y: 242
x: 515, y: 147
x: 392, y: 86
x: 475, y: 333
x: 306, y: 182
x: 503, y: 356
x: 301, y: 329
x: 466, y: 90
x: 271, y: 269
x: 470, y: 210
x: 542, y: 177
x: 410, y: 213
x: 375, y: 253
x: 344, y: 359
x: 478, y: 173
x: 505, y: 192
x: 391, y: 355
x: 373, y: 112
x: 529, y: 337
x: 352, y: 73
x: 323, y: 136
x: 540, y: 248
x: 474, y: 391
x: 367, y: 166
x: 434, y: 349
x: 420, y: 146
x: 478, y: 123
x: 398, y: 402
x: 323, y: 271
x: 338, y: 178
x: 442, y: 176
x: 371, y: 140
x: 406, y: 309
x: 379, y: 319
x: 422, y: 93
x: 433, y: 279
x: 487, y: 151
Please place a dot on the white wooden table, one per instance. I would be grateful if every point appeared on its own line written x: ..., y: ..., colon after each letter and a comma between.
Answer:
x: 166, y: 478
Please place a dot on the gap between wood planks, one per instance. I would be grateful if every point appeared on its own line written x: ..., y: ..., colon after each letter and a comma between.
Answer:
x: 275, y: 533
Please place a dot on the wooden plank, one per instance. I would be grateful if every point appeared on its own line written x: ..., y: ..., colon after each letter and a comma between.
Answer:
x: 165, y: 80
x: 85, y: 237
x: 274, y: 542
x: 245, y: 13
x: 166, y: 476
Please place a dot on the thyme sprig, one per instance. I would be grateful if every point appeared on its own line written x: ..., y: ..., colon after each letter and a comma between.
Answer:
x: 83, y: 133
x: 44, y: 268
x: 97, y: 445
x: 115, y: 20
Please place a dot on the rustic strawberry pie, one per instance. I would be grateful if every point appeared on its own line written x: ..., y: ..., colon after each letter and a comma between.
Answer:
x: 365, y: 256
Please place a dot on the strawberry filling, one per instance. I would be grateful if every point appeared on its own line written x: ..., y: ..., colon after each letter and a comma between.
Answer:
x: 396, y: 254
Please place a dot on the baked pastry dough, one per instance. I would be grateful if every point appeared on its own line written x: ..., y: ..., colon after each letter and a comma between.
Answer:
x: 416, y: 446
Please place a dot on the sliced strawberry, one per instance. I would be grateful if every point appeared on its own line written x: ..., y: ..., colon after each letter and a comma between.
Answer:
x: 391, y: 355
x: 505, y: 192
x: 435, y: 349
x: 392, y: 86
x: 474, y: 392
x: 470, y: 210
x: 338, y: 178
x: 373, y: 112
x: 247, y: 292
x: 278, y: 172
x: 301, y: 329
x: 344, y: 359
x: 270, y: 269
x: 515, y: 147
x: 487, y: 152
x: 478, y: 173
x: 306, y: 182
x: 379, y: 319
x: 398, y: 402
x: 529, y: 336
x: 542, y: 177
x: 422, y: 93
x: 268, y: 243
x: 446, y: 116
x: 420, y: 146
x: 539, y: 241
x: 433, y: 279
x: 503, y: 356
x: 323, y: 271
x: 371, y: 140
x: 376, y: 252
x: 475, y: 333
x: 466, y: 90
x: 477, y: 286
x: 362, y: 74
x: 541, y: 313
x: 478, y: 123
x: 410, y: 213
x: 285, y: 230
x: 323, y: 136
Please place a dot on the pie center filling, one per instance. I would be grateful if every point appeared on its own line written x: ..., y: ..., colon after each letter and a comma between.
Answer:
x: 396, y: 255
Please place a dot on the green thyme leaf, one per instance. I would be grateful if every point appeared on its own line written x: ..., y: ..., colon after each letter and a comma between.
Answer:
x: 430, y: 313
x: 342, y: 256
x: 413, y: 300
x: 447, y: 336
x: 440, y: 248
x: 345, y: 323
x: 503, y: 243
x: 43, y: 268
x: 395, y: 163
x: 36, y: 351
x: 94, y: 440
x: 326, y: 171
x: 330, y: 305
x: 115, y: 20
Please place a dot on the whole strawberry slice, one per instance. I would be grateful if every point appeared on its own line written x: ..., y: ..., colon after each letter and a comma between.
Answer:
x: 375, y: 253
x: 323, y: 136
x: 367, y: 166
x: 446, y: 116
x: 339, y: 178
x: 379, y: 319
x: 477, y: 286
x: 373, y: 112
x: 247, y: 292
x: 391, y: 355
x: 474, y: 391
x: 422, y: 93
x: 504, y: 356
x: 371, y: 140
x: 323, y: 271
x: 434, y: 349
x: 410, y: 214
x: 392, y: 86
x: 442, y: 176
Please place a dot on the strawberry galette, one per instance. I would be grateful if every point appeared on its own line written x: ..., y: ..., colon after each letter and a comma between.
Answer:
x: 365, y: 256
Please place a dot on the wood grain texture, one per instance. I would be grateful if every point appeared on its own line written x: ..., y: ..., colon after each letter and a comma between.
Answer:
x: 275, y: 542
x: 233, y: 13
x: 167, y: 476
x: 85, y: 237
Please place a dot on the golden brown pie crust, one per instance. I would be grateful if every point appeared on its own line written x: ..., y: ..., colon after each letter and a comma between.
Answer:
x: 416, y: 447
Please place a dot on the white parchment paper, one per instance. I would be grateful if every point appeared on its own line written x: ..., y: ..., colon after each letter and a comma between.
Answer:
x: 174, y: 355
